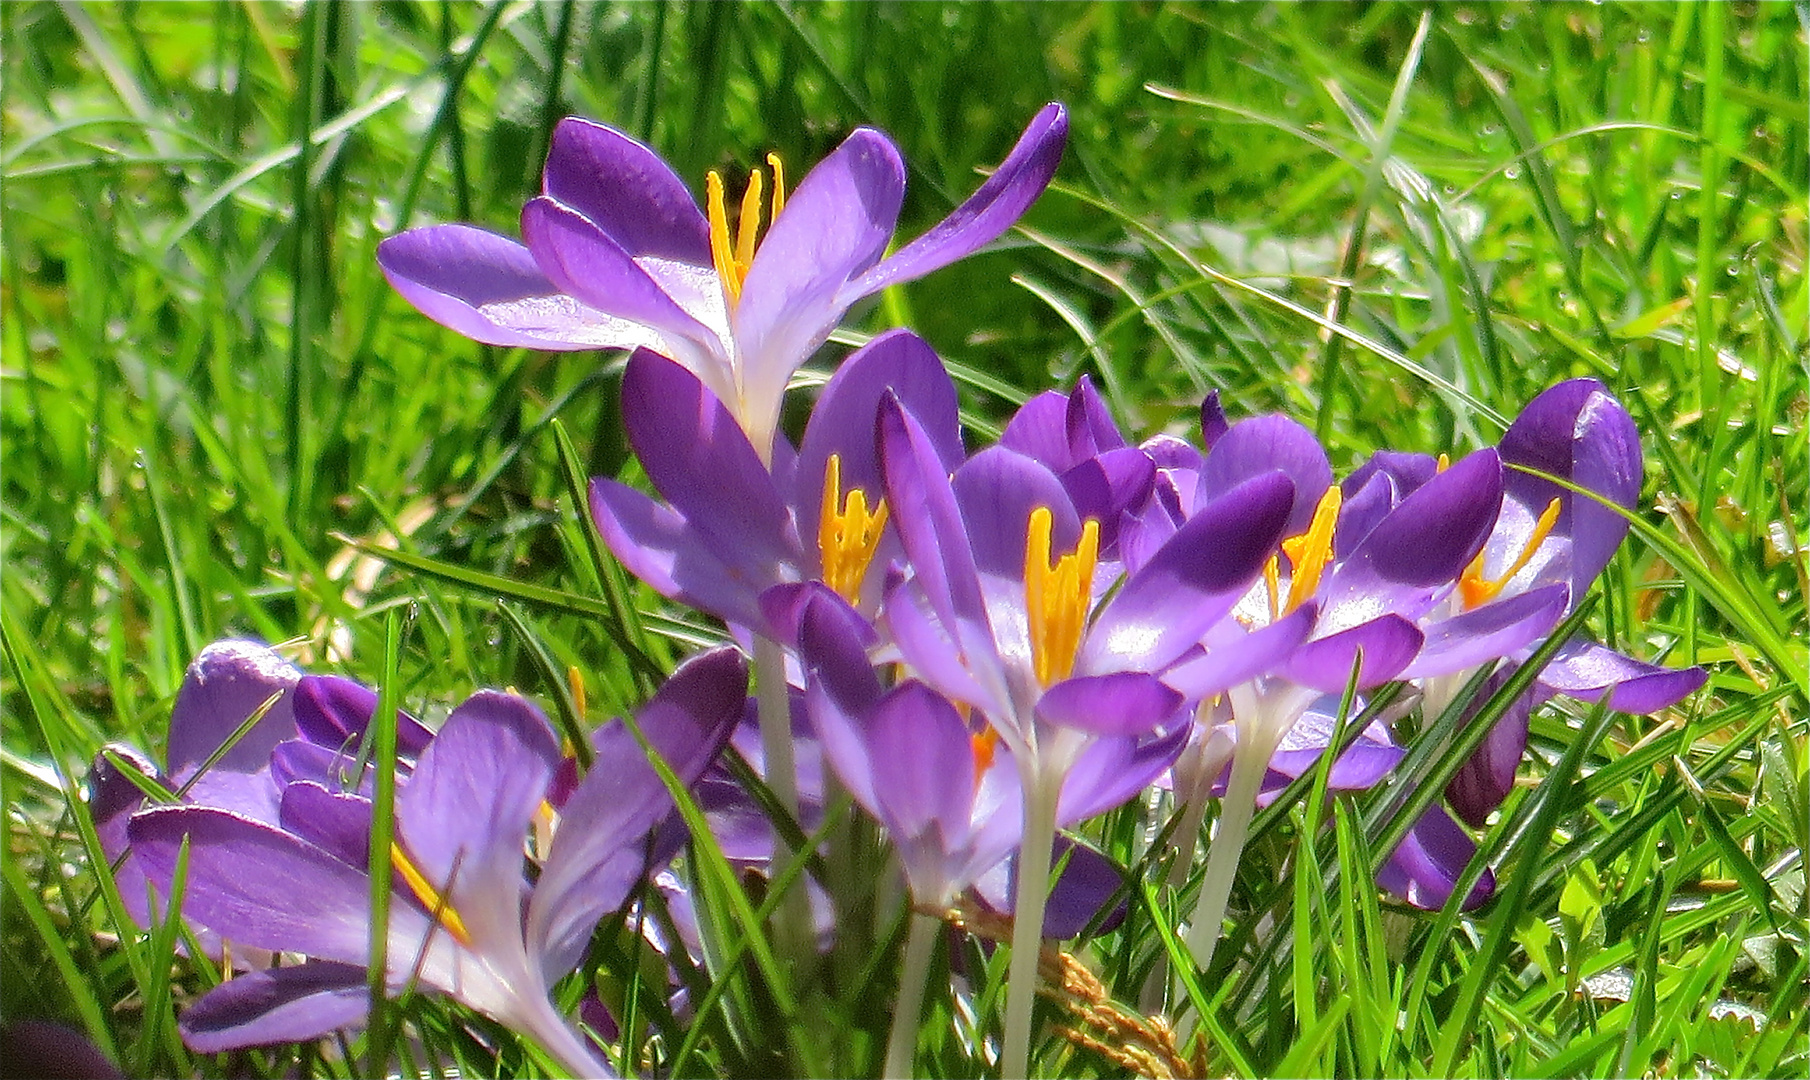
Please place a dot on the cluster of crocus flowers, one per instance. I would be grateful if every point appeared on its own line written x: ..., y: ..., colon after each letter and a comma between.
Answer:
x: 981, y: 648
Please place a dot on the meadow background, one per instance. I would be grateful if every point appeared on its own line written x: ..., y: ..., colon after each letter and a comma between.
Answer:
x: 214, y: 411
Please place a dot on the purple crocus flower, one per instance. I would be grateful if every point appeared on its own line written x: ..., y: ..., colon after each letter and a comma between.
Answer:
x: 463, y: 919
x: 987, y: 620
x: 618, y: 255
x: 947, y: 792
x: 731, y: 527
x: 311, y: 729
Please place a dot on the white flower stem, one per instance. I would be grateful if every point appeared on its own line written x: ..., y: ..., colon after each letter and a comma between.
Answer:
x: 1040, y: 794
x: 902, y: 1043
x: 1223, y: 854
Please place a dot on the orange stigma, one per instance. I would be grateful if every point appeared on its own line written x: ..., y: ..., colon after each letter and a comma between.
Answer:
x: 1476, y: 590
x: 848, y: 533
x: 1056, y: 598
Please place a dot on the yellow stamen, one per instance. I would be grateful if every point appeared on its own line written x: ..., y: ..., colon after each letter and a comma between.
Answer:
x: 779, y: 186
x: 848, y: 533
x: 721, y: 253
x: 430, y: 897
x: 1272, y: 577
x: 748, y: 224
x: 1475, y: 589
x: 734, y: 257
x: 1444, y: 464
x: 1310, y: 552
x: 1056, y: 597
x: 576, y: 682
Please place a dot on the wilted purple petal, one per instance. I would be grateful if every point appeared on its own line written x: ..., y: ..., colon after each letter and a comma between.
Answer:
x: 296, y: 1004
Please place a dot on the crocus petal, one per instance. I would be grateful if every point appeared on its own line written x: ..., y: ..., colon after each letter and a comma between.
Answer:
x: 997, y: 490
x: 701, y: 461
x: 1364, y: 505
x: 1426, y: 867
x: 336, y: 822
x: 299, y: 899
x: 1369, y: 758
x: 1585, y: 670
x: 1039, y: 430
x: 923, y: 776
x: 1487, y: 776
x: 488, y: 288
x: 935, y: 653
x: 1110, y: 486
x: 833, y: 640
x: 990, y: 211
x: 295, y: 1004
x: 1489, y: 632
x: 583, y: 262
x: 935, y: 538
x: 1192, y: 581
x: 1387, y: 645
x: 1260, y: 444
x: 834, y: 226
x: 596, y: 857
x: 1111, y: 770
x: 334, y: 712
x: 658, y: 545
x: 1240, y: 656
x: 842, y: 422
x: 112, y: 800
x: 1122, y: 703
x: 222, y: 688
x: 1087, y: 882
x: 626, y: 190
x: 1424, y: 543
x: 464, y: 814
